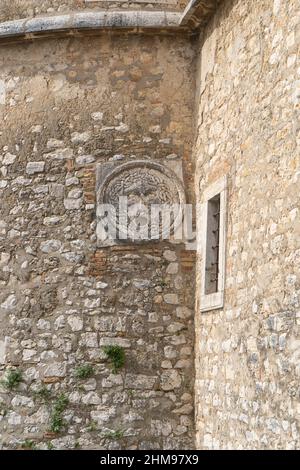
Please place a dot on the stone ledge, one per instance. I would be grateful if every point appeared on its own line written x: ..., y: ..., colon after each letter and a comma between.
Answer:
x: 135, y: 21
x: 196, y: 14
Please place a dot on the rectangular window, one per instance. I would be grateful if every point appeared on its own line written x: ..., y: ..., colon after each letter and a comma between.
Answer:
x: 213, y: 241
x: 212, y: 245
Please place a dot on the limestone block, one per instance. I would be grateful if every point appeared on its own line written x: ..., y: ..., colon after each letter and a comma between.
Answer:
x: 170, y: 380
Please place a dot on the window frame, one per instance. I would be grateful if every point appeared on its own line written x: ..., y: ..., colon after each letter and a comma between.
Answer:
x: 214, y: 301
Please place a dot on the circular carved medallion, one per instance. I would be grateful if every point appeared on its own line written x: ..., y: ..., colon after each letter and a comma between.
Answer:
x: 152, y: 196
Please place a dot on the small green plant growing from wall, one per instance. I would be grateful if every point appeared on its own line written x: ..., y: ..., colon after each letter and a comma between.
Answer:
x: 162, y: 283
x: 12, y: 379
x: 43, y: 393
x: 114, y: 435
x: 130, y: 393
x: 92, y: 426
x: 85, y: 371
x: 116, y: 354
x: 28, y: 444
x: 3, y: 410
x: 57, y: 421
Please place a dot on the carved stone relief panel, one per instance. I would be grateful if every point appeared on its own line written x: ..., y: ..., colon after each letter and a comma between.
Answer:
x: 138, y: 201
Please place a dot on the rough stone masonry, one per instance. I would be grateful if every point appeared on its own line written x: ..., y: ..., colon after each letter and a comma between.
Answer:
x: 214, y: 89
x: 248, y: 353
x: 69, y: 106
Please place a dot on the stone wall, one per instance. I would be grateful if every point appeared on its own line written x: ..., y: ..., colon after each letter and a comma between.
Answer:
x: 247, y: 357
x: 14, y: 9
x: 65, y: 106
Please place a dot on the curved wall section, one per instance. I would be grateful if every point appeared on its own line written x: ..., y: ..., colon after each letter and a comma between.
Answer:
x: 67, y: 106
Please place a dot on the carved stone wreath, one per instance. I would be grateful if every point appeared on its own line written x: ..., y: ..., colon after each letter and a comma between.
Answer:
x: 145, y: 184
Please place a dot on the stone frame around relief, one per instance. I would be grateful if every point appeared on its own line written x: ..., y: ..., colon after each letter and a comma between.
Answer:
x: 107, y: 171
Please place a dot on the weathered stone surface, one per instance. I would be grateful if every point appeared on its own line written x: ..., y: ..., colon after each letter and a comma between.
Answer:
x: 51, y: 246
x: 144, y: 182
x: 3, y: 349
x: 85, y: 160
x: 169, y: 255
x: 9, y: 159
x: 246, y: 356
x: 170, y: 380
x: 143, y: 382
x: 110, y: 101
x: 128, y: 20
x: 91, y: 398
x: 122, y: 342
x: 175, y: 327
x: 55, y: 144
x: 172, y: 268
x: 183, y: 312
x: 76, y: 323
x: 22, y: 401
x: 57, y: 369
x: 103, y: 415
x: 80, y: 137
x: 171, y: 299
x: 35, y: 167
x: 72, y: 204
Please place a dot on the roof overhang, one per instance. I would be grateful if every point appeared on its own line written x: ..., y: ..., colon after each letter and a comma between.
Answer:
x: 197, y: 13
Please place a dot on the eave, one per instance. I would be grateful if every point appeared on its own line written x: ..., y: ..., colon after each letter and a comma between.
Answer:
x: 196, y: 14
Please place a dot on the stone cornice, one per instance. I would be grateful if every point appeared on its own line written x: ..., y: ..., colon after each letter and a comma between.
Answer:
x: 198, y: 12
x: 96, y: 22
x: 70, y: 24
